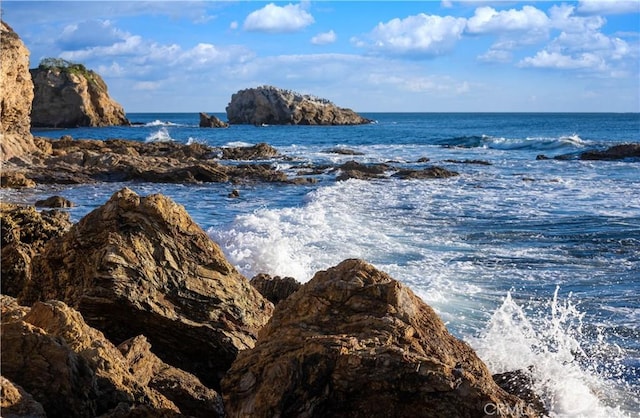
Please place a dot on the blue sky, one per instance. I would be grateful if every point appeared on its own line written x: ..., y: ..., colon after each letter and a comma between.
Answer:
x: 422, y: 56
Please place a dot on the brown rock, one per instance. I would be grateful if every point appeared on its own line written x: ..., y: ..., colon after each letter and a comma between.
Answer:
x: 211, y: 121
x: 275, y: 289
x: 54, y: 202
x: 427, y: 173
x: 140, y: 265
x: 69, y: 95
x: 16, y: 90
x: 273, y: 106
x: 182, y: 388
x: 24, y: 233
x: 616, y: 152
x: 259, y: 151
x: 353, y: 342
x: 356, y: 170
x: 520, y: 384
x: 16, y: 180
x: 16, y: 402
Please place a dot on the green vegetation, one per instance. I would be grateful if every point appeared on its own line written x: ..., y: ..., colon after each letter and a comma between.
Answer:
x: 63, y: 65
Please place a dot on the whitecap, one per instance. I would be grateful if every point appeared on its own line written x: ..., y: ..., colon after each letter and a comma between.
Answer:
x: 162, y: 135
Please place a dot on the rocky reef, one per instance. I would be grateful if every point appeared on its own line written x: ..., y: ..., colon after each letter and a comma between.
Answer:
x: 17, y: 94
x: 274, y: 106
x: 67, y: 95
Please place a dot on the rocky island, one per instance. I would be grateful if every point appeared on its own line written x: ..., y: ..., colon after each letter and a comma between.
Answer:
x: 68, y: 95
x: 268, y: 105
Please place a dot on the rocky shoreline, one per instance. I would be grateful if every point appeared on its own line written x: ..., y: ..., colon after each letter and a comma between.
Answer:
x: 134, y: 311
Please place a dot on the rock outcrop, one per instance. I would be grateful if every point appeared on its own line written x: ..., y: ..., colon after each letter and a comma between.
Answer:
x: 16, y: 402
x: 211, y: 121
x: 25, y: 231
x: 354, y: 342
x: 72, y: 370
x: 69, y: 96
x: 16, y: 90
x: 273, y: 106
x: 275, y: 289
x: 615, y: 152
x: 140, y: 265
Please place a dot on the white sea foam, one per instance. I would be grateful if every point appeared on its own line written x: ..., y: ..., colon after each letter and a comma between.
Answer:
x: 158, y: 122
x: 239, y: 144
x: 551, y: 345
x: 161, y: 135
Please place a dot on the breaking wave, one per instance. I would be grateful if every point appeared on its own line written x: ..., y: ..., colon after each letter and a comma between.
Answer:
x: 161, y: 135
x: 500, y: 143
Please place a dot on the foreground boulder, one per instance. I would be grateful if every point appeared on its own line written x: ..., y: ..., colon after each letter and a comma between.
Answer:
x: 269, y: 105
x: 140, y: 265
x: 16, y: 91
x: 353, y: 342
x: 25, y: 231
x: 67, y: 95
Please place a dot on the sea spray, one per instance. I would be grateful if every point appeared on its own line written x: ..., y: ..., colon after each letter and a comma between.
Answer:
x: 548, y: 342
x: 161, y: 135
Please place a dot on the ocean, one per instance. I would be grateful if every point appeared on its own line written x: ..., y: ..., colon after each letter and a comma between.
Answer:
x: 535, y: 263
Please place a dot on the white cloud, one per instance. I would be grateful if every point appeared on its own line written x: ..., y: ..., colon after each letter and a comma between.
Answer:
x: 276, y: 19
x: 421, y: 34
x: 496, y: 55
x: 563, y: 17
x: 556, y: 60
x: 608, y: 7
x: 146, y: 85
x: 324, y: 38
x: 90, y: 33
x: 489, y: 20
x: 233, y: 25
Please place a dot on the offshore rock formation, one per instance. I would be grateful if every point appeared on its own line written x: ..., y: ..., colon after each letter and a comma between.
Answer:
x: 16, y: 90
x: 140, y: 265
x: 354, y: 342
x: 269, y: 105
x: 211, y: 121
x: 25, y: 232
x: 71, y: 96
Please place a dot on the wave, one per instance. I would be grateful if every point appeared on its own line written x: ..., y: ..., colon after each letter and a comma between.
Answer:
x: 161, y: 135
x: 158, y: 122
x: 575, y: 373
x: 506, y: 144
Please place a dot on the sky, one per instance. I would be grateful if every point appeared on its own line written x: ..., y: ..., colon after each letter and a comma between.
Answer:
x: 370, y: 56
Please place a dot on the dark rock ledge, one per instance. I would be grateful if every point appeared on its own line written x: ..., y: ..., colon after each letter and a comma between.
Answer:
x: 135, y: 312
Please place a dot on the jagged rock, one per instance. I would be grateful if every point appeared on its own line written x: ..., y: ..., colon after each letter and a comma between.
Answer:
x: 427, y: 173
x: 354, y: 342
x: 211, y: 121
x: 520, y: 384
x: 140, y: 265
x: 16, y: 90
x: 182, y: 388
x: 16, y: 402
x: 275, y: 289
x: 273, y: 106
x: 616, y: 152
x: 54, y: 202
x: 259, y: 151
x: 71, y: 96
x: 16, y: 180
x: 24, y: 233
x: 343, y: 151
x: 356, y: 170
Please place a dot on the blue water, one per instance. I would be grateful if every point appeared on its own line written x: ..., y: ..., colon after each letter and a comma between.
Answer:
x: 533, y: 262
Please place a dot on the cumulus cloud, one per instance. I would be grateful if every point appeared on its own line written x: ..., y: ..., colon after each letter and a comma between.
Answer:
x: 608, y: 7
x: 422, y: 34
x: 556, y: 60
x: 324, y: 38
x: 278, y: 19
x: 489, y: 20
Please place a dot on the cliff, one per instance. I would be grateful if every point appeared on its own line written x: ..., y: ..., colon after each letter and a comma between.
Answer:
x: 67, y: 95
x: 274, y: 106
x: 16, y: 90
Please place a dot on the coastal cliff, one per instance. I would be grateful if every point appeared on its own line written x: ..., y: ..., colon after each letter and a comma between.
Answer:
x: 67, y: 95
x: 273, y: 106
x: 16, y: 89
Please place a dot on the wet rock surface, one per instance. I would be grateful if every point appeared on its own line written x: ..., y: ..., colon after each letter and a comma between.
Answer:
x: 354, y: 342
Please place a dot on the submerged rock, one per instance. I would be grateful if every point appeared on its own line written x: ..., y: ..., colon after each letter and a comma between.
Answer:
x: 427, y: 173
x: 140, y: 265
x: 353, y: 342
x: 269, y: 105
x: 616, y: 152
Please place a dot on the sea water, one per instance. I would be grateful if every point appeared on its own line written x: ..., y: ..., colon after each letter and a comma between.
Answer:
x: 535, y: 263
